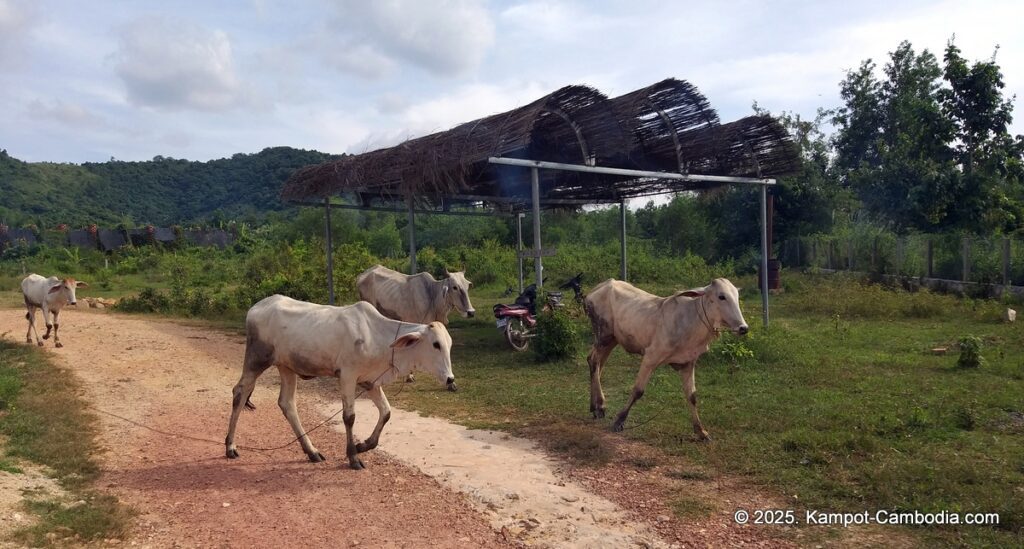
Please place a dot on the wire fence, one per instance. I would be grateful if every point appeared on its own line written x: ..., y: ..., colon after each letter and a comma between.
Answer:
x: 992, y: 260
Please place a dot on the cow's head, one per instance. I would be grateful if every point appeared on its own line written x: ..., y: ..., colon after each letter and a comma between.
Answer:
x: 720, y: 301
x: 68, y: 287
x: 429, y: 350
x: 456, y: 289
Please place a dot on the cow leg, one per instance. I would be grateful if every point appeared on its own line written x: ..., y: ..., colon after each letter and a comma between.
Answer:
x: 31, y: 317
x: 686, y: 373
x: 258, y: 357
x: 348, y: 398
x: 647, y: 366
x: 598, y: 355
x: 376, y: 394
x: 286, y: 401
x: 46, y: 319
x: 56, y: 340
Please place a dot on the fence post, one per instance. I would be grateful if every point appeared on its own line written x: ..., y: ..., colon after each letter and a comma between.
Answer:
x: 1006, y: 261
x: 849, y: 255
x: 966, y: 255
x: 874, y: 252
x: 798, y: 243
x: 899, y: 255
x: 814, y: 253
x: 929, y: 254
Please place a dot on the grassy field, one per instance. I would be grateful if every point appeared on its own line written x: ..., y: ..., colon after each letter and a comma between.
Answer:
x: 840, y: 407
x: 61, y: 438
x: 843, y: 407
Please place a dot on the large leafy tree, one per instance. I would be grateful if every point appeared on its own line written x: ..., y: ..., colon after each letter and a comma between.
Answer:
x: 989, y: 178
x: 892, y: 146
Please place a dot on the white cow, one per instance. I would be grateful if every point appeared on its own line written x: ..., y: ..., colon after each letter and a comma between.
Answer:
x: 355, y: 344
x: 673, y: 330
x: 50, y: 295
x: 416, y: 298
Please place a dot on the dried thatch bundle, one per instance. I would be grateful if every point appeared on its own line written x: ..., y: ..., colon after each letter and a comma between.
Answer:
x: 668, y: 126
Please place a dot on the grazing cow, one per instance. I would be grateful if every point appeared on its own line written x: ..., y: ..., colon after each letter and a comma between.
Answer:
x: 673, y: 330
x: 417, y: 298
x: 50, y: 295
x: 355, y: 344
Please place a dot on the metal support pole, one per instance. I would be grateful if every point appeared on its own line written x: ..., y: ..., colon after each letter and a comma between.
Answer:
x: 330, y: 251
x: 535, y: 190
x: 519, y: 247
x: 413, y: 268
x: 622, y: 236
x: 764, y: 252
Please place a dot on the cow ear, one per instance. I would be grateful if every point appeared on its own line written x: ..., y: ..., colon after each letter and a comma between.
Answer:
x: 408, y: 340
x: 81, y: 284
x: 55, y: 289
x: 692, y: 293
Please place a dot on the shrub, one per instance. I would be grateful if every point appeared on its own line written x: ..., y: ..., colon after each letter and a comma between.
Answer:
x: 148, y: 301
x: 970, y: 353
x: 556, y: 336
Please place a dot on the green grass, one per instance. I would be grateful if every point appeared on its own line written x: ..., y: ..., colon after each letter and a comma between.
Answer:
x: 46, y: 423
x: 842, y: 408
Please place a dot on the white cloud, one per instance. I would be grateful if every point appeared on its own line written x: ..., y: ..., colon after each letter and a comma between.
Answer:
x: 444, y: 37
x: 171, y: 64
x: 67, y: 114
x: 469, y: 103
x: 16, y: 21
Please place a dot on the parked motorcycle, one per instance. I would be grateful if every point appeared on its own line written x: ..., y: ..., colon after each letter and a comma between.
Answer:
x: 518, y: 322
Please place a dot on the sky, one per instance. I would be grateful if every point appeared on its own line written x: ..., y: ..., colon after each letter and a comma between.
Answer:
x: 87, y: 81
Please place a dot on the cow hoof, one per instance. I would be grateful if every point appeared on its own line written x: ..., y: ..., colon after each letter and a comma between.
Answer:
x: 47, y: 336
x: 617, y: 427
x: 232, y: 453
x: 598, y: 413
x: 703, y: 437
x: 409, y: 378
x: 356, y: 464
x: 452, y: 388
x: 249, y: 405
x: 316, y: 457
x: 40, y: 343
x: 59, y: 345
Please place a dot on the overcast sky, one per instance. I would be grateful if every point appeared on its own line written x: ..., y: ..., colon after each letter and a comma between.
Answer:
x: 85, y: 81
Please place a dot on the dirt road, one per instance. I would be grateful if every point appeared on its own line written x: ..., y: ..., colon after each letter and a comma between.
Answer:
x: 429, y: 484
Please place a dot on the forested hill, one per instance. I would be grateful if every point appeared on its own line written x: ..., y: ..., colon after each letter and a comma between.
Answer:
x: 161, y: 191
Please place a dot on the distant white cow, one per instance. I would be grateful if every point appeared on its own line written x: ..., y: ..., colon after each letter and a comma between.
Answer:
x: 416, y: 298
x: 355, y: 344
x: 673, y: 330
x: 50, y: 295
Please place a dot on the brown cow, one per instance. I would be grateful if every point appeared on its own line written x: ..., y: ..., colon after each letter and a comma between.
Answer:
x: 673, y: 330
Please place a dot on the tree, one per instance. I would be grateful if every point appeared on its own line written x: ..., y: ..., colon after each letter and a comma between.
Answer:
x: 893, y: 141
x: 984, y: 151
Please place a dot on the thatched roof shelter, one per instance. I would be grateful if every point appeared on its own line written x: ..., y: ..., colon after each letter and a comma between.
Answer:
x: 668, y: 126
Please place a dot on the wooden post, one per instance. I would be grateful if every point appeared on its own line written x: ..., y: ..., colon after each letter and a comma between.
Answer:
x: 966, y: 256
x: 849, y: 255
x: 1006, y: 261
x: 874, y: 253
x: 929, y: 255
x: 899, y: 255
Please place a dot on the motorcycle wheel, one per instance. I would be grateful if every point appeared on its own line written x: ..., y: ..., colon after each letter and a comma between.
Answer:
x: 515, y: 334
